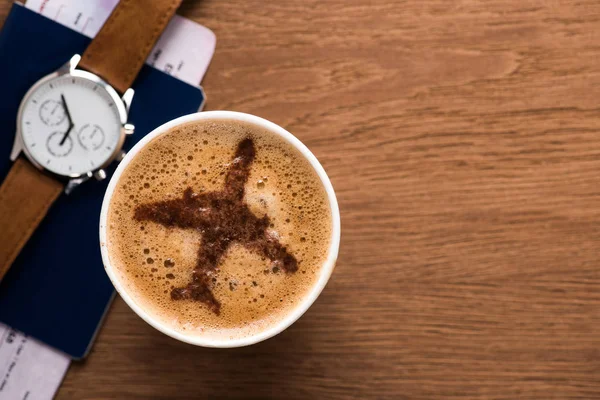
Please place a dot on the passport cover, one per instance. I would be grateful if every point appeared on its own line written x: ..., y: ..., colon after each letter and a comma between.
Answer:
x: 57, y: 290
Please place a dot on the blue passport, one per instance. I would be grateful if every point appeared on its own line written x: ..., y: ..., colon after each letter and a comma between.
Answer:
x: 57, y: 290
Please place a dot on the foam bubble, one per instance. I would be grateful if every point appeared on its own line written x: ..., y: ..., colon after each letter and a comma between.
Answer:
x: 254, y: 292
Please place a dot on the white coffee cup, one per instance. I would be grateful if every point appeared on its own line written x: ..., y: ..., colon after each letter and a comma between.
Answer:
x: 303, y: 305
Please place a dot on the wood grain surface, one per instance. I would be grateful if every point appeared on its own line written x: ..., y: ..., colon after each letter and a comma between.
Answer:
x: 463, y: 140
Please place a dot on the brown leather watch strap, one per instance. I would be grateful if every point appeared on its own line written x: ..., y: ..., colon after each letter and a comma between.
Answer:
x: 25, y: 197
x: 119, y: 50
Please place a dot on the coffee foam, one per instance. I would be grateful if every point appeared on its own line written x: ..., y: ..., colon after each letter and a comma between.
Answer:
x: 151, y: 259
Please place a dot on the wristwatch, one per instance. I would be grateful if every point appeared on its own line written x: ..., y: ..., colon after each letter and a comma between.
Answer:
x: 72, y: 123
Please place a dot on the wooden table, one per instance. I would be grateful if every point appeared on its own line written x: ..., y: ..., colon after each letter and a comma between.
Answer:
x: 463, y: 140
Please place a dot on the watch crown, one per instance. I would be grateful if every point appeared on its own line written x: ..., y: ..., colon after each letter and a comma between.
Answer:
x: 129, y: 128
x: 100, y: 175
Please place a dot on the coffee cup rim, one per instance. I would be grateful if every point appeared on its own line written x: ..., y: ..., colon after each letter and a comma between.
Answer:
x: 326, y: 269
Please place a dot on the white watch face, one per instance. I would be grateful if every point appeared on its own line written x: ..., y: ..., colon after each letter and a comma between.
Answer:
x: 70, y: 125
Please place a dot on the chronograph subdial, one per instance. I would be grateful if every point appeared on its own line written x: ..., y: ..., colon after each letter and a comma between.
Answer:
x: 52, y: 112
x: 91, y: 137
x: 54, y: 146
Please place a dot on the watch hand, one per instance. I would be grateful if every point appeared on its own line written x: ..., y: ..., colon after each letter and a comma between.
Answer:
x: 66, y: 135
x: 54, y: 109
